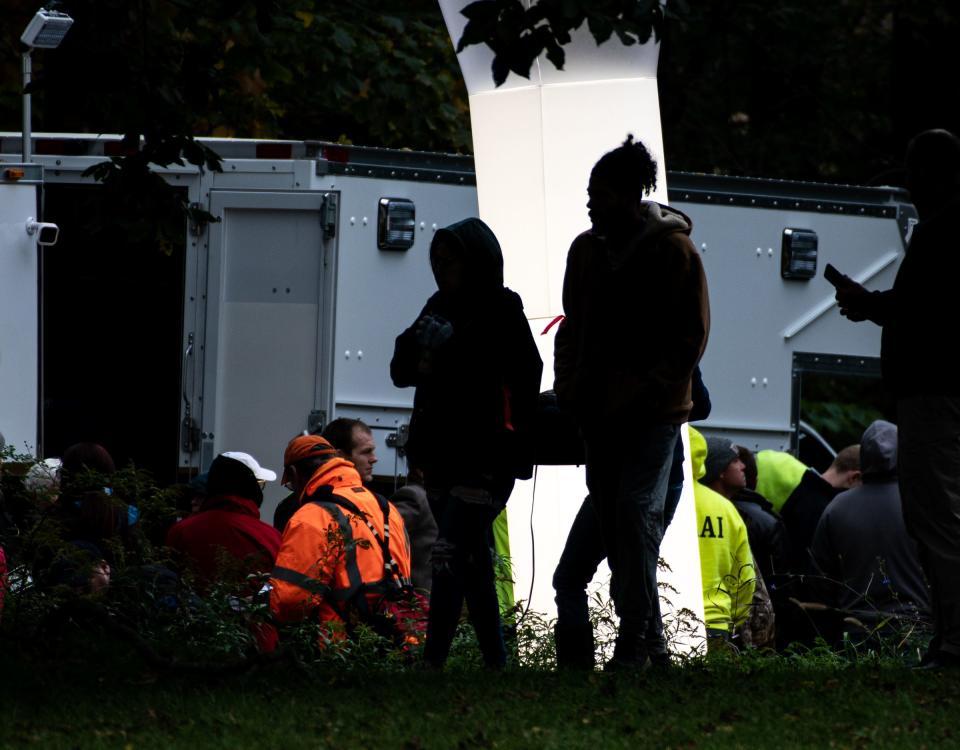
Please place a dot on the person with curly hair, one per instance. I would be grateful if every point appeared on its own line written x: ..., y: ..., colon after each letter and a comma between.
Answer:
x: 636, y: 323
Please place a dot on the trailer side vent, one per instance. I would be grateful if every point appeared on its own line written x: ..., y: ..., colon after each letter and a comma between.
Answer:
x: 798, y: 254
x: 396, y: 218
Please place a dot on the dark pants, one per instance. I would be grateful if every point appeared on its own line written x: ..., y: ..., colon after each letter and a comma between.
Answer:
x: 585, y: 550
x: 929, y: 468
x: 463, y: 570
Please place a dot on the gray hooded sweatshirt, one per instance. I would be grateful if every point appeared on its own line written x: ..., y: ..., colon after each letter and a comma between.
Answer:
x: 861, y: 548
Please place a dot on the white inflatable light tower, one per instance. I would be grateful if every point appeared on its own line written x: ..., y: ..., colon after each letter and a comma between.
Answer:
x: 534, y: 144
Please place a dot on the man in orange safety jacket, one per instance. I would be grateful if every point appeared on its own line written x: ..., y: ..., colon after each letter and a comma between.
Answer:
x: 331, y: 561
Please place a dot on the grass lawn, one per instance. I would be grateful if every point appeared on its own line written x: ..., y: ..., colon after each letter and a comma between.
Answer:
x: 809, y: 701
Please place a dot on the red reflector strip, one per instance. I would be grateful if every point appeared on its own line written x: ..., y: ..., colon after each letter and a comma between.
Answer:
x: 13, y: 175
x: 551, y: 324
x: 60, y: 146
x: 339, y: 154
x: 274, y: 150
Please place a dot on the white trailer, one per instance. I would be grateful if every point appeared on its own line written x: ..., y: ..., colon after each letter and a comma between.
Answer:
x: 282, y: 314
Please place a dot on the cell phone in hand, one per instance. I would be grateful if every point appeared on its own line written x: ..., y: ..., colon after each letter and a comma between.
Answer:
x: 831, y: 274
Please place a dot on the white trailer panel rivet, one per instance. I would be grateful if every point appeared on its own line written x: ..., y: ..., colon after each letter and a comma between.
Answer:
x: 753, y: 382
x: 423, y: 225
x: 359, y: 353
x: 346, y: 354
x: 770, y: 252
x: 433, y: 227
x: 703, y: 247
x: 765, y: 382
x: 353, y: 220
x: 364, y: 220
x: 759, y: 251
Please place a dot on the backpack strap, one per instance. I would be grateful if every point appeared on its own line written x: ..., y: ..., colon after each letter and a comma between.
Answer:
x: 355, y: 594
x: 390, y: 566
x: 333, y: 597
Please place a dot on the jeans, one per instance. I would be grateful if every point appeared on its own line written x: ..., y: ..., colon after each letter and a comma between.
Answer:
x: 635, y: 483
x: 584, y: 551
x: 462, y: 564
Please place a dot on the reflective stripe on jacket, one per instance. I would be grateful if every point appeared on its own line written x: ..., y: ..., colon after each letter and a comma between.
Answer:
x: 327, y: 552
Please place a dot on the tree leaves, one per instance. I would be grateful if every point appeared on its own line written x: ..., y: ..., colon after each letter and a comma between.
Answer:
x: 518, y: 35
x: 144, y: 208
x: 255, y: 68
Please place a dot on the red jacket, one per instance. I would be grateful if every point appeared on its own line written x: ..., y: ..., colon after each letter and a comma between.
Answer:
x: 226, y: 537
x: 227, y: 540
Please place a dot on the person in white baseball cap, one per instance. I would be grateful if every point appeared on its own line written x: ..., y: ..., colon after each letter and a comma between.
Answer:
x: 261, y: 473
x: 228, y: 529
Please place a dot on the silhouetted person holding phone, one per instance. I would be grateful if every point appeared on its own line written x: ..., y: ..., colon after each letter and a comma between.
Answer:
x: 918, y: 316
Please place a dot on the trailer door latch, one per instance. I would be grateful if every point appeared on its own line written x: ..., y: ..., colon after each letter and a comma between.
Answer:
x: 398, y: 439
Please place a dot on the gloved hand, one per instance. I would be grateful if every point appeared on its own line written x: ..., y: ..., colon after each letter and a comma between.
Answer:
x: 432, y: 331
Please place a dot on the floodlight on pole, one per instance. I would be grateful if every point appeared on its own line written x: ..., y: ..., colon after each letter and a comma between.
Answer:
x: 45, y: 31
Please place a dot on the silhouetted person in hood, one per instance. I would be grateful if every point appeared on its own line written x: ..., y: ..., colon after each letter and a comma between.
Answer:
x: 473, y: 361
x: 861, y: 547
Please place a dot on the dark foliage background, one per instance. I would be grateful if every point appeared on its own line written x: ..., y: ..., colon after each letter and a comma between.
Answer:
x: 799, y: 90
x: 379, y: 72
x: 788, y: 89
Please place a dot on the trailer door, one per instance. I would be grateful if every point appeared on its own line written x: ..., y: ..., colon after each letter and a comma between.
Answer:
x: 268, y: 325
x: 19, y: 330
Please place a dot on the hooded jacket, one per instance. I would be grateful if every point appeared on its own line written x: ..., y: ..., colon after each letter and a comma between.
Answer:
x: 726, y: 564
x: 799, y: 495
x: 861, y: 548
x: 636, y: 324
x: 328, y: 552
x: 476, y: 393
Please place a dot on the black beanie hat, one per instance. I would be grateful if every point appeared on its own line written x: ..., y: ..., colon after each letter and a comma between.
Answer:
x: 721, y: 452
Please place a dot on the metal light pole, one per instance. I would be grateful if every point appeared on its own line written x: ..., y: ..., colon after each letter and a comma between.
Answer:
x: 45, y: 31
x: 27, y: 70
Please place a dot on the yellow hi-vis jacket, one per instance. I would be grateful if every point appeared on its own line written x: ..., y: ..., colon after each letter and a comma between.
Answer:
x: 778, y: 475
x: 726, y: 563
x: 327, y: 553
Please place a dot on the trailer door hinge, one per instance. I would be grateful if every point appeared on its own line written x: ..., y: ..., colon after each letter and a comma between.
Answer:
x: 328, y: 215
x: 191, y: 435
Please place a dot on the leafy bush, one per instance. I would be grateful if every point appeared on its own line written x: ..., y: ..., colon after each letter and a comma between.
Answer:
x: 171, y: 623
